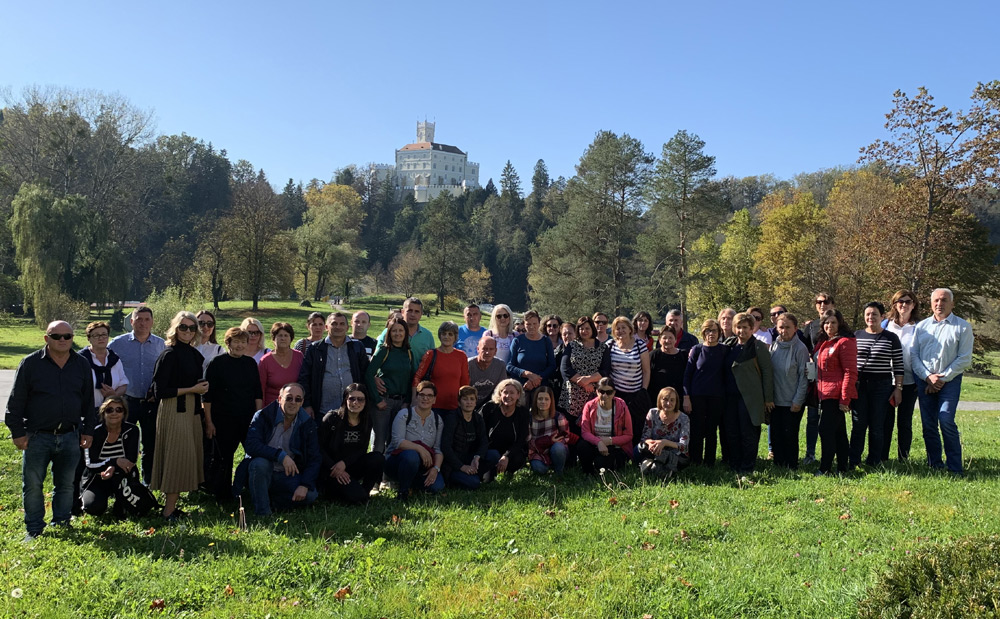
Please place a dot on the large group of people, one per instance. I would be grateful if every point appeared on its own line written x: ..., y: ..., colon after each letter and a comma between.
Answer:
x: 347, y: 416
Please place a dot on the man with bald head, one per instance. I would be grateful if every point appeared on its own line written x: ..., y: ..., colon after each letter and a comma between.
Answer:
x: 485, y: 370
x: 51, y: 416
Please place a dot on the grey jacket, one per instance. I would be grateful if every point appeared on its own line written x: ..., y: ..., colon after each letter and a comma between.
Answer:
x: 789, y: 360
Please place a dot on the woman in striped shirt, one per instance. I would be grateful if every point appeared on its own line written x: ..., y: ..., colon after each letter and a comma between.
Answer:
x: 113, y: 452
x: 630, y: 371
x: 880, y: 380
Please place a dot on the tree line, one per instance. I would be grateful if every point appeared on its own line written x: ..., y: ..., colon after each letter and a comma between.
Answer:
x: 100, y: 209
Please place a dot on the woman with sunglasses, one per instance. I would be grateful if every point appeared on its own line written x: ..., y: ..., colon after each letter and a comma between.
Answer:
x: 349, y: 470
x: 551, y: 326
x: 602, y: 334
x: 255, y: 345
x: 606, y: 430
x: 904, y: 314
x: 209, y: 347
x: 113, y: 453
x: 501, y: 321
x: 178, y: 458
x: 234, y: 395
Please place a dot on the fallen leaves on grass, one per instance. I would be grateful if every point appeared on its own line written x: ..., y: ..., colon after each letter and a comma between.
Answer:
x: 149, y: 531
x: 228, y: 590
x: 845, y: 516
x: 613, y: 500
x: 648, y: 546
x: 342, y: 594
x: 819, y: 500
x: 674, y: 503
x: 157, y: 604
x: 652, y: 531
x: 551, y: 513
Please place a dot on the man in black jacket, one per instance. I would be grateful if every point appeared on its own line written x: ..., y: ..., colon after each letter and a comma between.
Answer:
x: 51, y: 415
x: 330, y: 365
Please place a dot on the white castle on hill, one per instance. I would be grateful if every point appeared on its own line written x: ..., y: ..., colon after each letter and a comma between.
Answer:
x: 427, y: 168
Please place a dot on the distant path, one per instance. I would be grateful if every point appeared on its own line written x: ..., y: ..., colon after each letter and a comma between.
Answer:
x: 7, y: 381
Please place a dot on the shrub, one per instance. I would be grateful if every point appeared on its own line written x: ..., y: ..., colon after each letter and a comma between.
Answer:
x: 51, y: 306
x: 958, y: 579
x: 167, y: 303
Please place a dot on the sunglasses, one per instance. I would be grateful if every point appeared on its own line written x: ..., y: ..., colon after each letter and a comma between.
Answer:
x: 503, y: 316
x: 822, y: 301
x: 600, y: 322
x: 605, y: 391
x: 293, y: 398
x: 776, y: 314
x: 114, y: 409
x: 904, y: 302
x: 205, y: 323
x: 184, y: 327
x: 253, y: 333
x: 59, y: 336
x: 356, y: 399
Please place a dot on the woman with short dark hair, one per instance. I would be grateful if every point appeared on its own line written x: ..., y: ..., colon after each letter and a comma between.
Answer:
x: 836, y: 357
x: 280, y: 366
x: 585, y: 361
x: 605, y: 430
x: 446, y: 367
x: 749, y: 361
x: 415, y: 455
x: 465, y: 443
x: 316, y: 325
x: 880, y: 381
x: 532, y: 357
x: 349, y: 470
x: 705, y: 394
x: 112, y: 454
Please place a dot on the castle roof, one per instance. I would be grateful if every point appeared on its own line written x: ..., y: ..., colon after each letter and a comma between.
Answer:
x: 432, y: 146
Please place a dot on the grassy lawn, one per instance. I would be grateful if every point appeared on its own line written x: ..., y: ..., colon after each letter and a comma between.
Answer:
x: 789, y: 545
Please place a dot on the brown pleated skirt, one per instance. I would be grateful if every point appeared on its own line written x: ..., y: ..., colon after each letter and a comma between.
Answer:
x: 177, y: 457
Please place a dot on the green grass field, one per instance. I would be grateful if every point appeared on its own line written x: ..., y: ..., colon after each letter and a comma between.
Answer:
x: 789, y: 545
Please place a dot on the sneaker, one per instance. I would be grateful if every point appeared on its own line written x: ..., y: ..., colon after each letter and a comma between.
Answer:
x: 808, y: 460
x: 30, y: 537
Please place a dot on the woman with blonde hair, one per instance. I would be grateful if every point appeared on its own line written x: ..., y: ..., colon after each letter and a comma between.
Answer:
x: 902, y: 319
x: 178, y: 387
x: 501, y: 319
x: 507, y: 427
x: 630, y: 369
x: 664, y: 447
x: 255, y: 345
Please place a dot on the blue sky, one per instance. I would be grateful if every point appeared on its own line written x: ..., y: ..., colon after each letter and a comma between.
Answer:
x: 303, y: 88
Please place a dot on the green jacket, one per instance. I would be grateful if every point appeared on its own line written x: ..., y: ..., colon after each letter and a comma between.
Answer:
x: 754, y: 377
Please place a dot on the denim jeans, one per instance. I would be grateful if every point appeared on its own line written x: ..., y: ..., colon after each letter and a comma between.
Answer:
x: 63, y: 451
x: 268, y: 485
x: 557, y: 453
x: 472, y: 482
x: 868, y: 417
x: 938, y: 409
x: 408, y: 471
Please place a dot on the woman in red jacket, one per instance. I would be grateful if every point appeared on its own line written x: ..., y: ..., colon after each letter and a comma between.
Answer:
x: 836, y: 358
x: 606, y: 430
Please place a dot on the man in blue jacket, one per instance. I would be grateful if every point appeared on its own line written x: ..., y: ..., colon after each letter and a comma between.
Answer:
x: 282, y: 454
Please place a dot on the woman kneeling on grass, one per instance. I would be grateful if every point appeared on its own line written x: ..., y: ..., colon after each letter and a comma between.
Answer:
x: 465, y: 442
x: 349, y: 470
x: 415, y: 449
x: 548, y: 433
x: 664, y: 447
x: 606, y: 430
x: 112, y: 454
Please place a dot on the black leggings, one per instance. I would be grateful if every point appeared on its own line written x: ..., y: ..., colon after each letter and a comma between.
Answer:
x: 706, y: 417
x: 591, y: 460
x: 365, y: 472
x: 833, y: 436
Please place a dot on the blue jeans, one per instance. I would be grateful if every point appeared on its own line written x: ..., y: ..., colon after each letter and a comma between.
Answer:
x: 472, y: 482
x: 408, y: 471
x: 268, y: 485
x: 939, y: 409
x: 558, y: 453
x: 63, y: 451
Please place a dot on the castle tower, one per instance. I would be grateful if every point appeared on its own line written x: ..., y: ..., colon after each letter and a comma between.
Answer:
x: 425, y: 131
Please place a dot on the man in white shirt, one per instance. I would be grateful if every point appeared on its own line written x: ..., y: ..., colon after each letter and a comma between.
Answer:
x: 941, y: 352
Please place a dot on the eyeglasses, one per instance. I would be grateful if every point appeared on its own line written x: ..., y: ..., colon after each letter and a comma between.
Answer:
x: 59, y: 336
x: 356, y: 398
x: 205, y: 323
x: 114, y: 409
x: 822, y: 301
x: 499, y: 316
x: 904, y: 302
x: 552, y: 325
x: 253, y: 333
x: 97, y: 335
x: 184, y: 327
x: 426, y: 395
x: 757, y: 318
x: 605, y: 391
x: 293, y: 398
